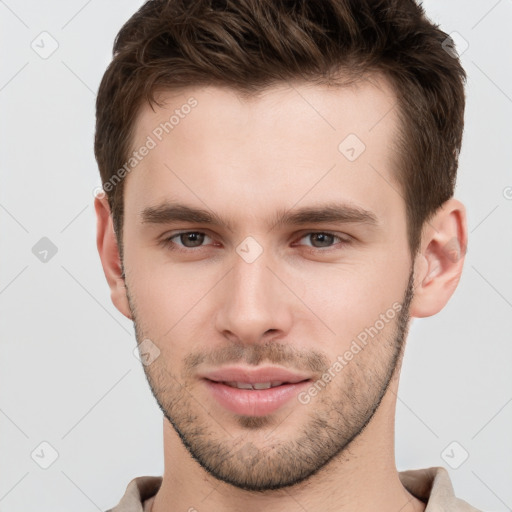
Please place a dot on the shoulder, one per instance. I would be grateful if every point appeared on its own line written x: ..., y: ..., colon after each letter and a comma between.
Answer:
x: 138, y: 490
x: 434, y: 487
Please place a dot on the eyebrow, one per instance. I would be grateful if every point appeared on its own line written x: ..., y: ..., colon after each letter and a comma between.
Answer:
x: 167, y: 213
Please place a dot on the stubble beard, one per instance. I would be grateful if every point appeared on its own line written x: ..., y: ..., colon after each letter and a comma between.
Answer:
x: 258, y: 459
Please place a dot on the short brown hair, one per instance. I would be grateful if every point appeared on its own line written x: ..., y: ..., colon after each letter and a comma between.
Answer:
x: 250, y: 45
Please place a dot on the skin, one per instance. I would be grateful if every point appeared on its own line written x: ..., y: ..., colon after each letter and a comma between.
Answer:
x: 299, y: 304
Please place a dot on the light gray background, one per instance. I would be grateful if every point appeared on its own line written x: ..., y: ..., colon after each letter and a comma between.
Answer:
x: 68, y: 375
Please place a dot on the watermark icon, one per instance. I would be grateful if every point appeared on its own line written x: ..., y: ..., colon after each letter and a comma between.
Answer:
x: 44, y: 455
x: 507, y: 193
x: 175, y: 119
x: 45, y: 45
x: 455, y: 455
x: 248, y: 455
x: 351, y: 147
x: 358, y: 344
x: 146, y: 352
x: 44, y: 250
x: 249, y: 249
x: 453, y: 250
x: 99, y: 192
x: 149, y: 144
x: 455, y: 45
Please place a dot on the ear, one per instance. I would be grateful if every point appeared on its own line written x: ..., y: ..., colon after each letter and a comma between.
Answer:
x: 109, y: 255
x: 438, y: 266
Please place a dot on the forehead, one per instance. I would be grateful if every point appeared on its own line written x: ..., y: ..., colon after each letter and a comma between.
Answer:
x: 290, y: 141
x: 361, y: 106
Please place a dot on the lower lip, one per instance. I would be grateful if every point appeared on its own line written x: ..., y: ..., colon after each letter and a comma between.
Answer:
x: 257, y: 402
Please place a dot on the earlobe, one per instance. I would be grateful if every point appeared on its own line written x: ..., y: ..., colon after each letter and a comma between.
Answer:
x: 109, y: 255
x: 439, y: 264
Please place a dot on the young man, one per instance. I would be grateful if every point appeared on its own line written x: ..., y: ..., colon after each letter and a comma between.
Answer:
x: 278, y: 205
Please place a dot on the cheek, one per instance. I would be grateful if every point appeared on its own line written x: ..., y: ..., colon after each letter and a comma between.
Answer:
x: 166, y: 297
x: 348, y: 301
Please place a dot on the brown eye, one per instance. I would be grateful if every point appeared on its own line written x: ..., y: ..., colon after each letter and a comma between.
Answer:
x: 322, y: 240
x: 185, y: 240
x: 192, y: 239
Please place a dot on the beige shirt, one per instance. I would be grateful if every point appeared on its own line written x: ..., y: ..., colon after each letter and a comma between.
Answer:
x: 432, y: 486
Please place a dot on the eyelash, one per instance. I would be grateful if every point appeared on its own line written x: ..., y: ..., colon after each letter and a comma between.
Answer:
x: 169, y: 244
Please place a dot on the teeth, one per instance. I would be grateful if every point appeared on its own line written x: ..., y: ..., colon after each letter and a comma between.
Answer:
x: 261, y: 385
x: 256, y: 385
x: 242, y: 385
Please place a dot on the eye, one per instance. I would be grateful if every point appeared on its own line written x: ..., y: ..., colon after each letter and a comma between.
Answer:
x: 187, y: 239
x: 323, y: 239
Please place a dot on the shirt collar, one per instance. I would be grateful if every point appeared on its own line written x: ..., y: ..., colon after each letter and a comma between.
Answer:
x: 431, y: 485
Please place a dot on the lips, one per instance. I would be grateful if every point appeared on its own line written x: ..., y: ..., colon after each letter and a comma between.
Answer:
x: 254, y: 391
x: 255, y: 385
x: 265, y: 374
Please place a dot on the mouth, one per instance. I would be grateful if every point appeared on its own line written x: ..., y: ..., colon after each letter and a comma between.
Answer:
x: 254, y: 385
x: 252, y: 392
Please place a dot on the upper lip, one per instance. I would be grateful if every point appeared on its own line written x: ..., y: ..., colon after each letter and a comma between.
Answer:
x: 254, y: 375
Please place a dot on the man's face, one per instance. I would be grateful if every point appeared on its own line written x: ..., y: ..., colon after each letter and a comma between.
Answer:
x: 250, y: 294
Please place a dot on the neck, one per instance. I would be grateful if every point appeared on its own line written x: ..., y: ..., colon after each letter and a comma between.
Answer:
x: 363, y: 477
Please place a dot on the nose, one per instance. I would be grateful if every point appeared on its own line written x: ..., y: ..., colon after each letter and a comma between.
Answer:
x: 253, y: 302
